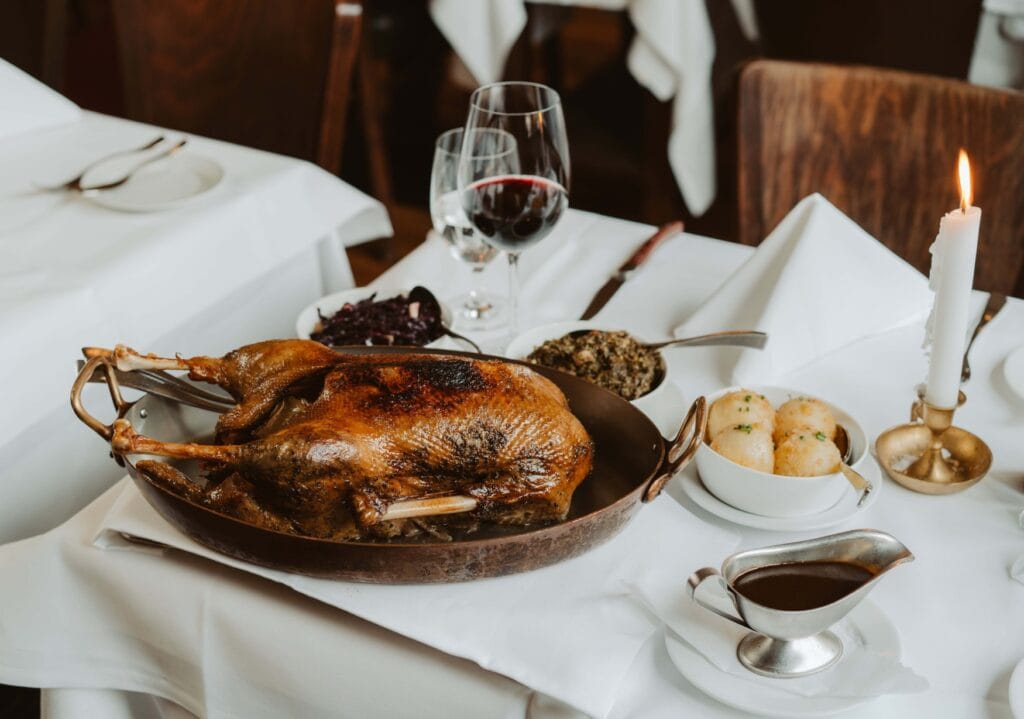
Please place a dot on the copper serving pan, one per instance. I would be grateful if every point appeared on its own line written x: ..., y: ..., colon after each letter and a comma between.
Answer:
x: 632, y: 463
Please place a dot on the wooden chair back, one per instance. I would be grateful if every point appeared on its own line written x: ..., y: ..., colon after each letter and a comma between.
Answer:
x: 882, y: 145
x: 272, y: 75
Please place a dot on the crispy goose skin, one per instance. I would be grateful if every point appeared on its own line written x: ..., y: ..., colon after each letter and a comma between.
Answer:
x: 322, y: 443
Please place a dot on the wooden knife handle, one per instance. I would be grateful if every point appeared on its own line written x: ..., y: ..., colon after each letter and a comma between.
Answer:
x: 644, y: 251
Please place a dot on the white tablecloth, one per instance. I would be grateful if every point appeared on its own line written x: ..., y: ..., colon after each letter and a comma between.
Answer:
x: 671, y: 56
x: 72, y: 274
x: 956, y: 607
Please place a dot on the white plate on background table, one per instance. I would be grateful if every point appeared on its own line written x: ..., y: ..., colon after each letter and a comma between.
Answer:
x: 1013, y: 371
x: 758, y: 698
x: 841, y: 511
x: 1017, y: 691
x: 164, y: 185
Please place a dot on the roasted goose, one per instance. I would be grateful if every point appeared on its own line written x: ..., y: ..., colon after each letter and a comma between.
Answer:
x: 327, y: 445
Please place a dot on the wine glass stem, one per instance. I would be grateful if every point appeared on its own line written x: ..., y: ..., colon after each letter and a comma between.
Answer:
x: 513, y: 292
x: 476, y: 289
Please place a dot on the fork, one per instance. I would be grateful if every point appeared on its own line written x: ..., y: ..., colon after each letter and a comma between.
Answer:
x: 93, y: 189
x: 75, y: 183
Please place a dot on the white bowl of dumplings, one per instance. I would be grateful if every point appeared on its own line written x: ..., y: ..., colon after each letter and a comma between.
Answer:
x: 770, y: 451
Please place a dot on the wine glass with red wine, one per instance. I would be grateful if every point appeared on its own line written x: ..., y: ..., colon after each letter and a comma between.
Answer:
x: 512, y: 211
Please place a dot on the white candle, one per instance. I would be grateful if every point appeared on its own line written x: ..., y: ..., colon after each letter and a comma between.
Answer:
x: 951, y: 278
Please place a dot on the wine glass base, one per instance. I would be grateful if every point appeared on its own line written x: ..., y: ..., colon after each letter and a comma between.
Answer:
x: 482, y: 311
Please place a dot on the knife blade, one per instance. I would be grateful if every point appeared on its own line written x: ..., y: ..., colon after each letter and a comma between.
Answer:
x: 996, y: 300
x: 629, y: 267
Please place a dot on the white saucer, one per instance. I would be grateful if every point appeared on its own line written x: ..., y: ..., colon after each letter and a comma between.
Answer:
x: 1017, y: 691
x: 842, y: 510
x: 757, y: 697
x: 1013, y: 371
x: 164, y: 185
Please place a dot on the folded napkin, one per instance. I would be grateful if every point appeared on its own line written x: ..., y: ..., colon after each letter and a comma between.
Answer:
x: 817, y: 283
x: 27, y: 105
x: 863, y: 671
x: 570, y: 631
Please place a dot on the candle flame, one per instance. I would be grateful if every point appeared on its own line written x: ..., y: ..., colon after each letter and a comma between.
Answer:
x: 964, y: 171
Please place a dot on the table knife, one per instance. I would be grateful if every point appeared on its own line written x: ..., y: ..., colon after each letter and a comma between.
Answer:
x: 996, y: 300
x: 629, y: 267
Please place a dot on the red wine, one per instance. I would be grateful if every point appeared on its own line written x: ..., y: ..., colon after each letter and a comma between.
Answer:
x: 514, y: 211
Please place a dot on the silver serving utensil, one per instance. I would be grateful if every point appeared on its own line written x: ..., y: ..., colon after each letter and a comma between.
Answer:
x: 424, y: 296
x: 74, y: 184
x: 995, y: 303
x: 733, y: 338
x: 167, y: 385
x: 859, y: 482
x: 93, y: 189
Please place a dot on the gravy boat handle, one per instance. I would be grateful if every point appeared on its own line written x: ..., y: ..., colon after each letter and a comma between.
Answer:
x: 702, y: 576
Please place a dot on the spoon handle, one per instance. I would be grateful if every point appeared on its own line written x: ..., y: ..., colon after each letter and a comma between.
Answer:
x: 734, y: 338
x: 858, y: 481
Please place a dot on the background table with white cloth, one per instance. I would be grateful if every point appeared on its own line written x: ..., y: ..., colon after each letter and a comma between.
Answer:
x: 223, y: 642
x: 204, y: 276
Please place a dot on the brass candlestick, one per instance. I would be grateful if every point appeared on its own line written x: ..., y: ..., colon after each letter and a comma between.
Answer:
x: 930, y: 455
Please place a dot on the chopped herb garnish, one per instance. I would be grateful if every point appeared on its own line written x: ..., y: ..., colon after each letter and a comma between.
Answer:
x: 820, y: 436
x: 747, y: 398
x: 745, y: 428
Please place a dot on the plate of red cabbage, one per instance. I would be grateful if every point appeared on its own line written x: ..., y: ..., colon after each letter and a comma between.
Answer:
x: 364, y: 316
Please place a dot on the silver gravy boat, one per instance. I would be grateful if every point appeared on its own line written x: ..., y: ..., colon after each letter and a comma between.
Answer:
x: 787, y: 643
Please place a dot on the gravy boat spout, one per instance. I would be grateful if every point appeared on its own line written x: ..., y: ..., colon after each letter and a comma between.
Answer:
x: 790, y: 594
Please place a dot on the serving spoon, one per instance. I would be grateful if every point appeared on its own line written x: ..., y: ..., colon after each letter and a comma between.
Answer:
x: 731, y: 338
x: 426, y: 298
x: 859, y: 482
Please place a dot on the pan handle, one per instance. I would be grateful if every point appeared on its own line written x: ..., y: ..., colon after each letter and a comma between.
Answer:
x: 682, y: 448
x: 106, y: 431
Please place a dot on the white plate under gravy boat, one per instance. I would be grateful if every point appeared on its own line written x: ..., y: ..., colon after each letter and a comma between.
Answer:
x: 846, y: 508
x: 164, y: 185
x: 757, y: 697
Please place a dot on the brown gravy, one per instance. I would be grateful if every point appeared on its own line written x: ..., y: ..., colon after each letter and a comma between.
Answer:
x: 801, y: 585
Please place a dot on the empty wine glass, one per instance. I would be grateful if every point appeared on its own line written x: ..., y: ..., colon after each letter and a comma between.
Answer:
x: 478, y: 308
x: 515, y: 209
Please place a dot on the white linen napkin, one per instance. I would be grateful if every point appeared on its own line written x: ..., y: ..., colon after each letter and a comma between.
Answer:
x: 817, y: 283
x: 863, y: 671
x: 672, y: 57
x: 27, y: 105
x: 570, y: 630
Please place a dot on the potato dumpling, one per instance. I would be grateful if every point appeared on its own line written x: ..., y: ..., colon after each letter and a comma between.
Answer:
x: 807, y: 453
x: 746, y: 445
x: 740, y: 407
x: 802, y: 412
